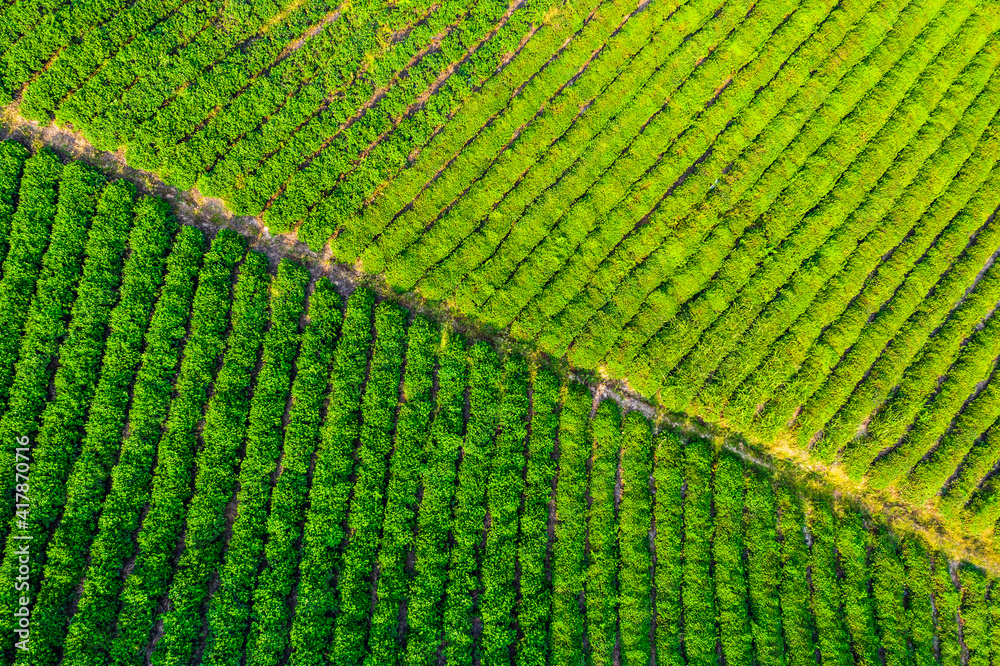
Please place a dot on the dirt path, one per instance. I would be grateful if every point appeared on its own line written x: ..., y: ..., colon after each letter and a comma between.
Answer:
x: 211, y: 214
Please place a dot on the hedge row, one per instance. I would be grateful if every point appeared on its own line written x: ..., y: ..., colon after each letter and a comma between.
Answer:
x: 500, y: 154
x: 650, y: 247
x: 601, y: 580
x: 64, y: 415
x: 729, y: 487
x: 668, y: 546
x: 568, y: 550
x: 503, y: 502
x: 401, y: 503
x: 534, y: 550
x: 330, y: 487
x: 426, y: 591
x: 364, y: 517
x: 766, y: 170
x: 47, y: 322
x: 28, y: 238
x: 268, y: 634
x: 229, y: 608
x: 698, y: 594
x: 222, y: 438
x: 463, y: 592
x: 807, y: 225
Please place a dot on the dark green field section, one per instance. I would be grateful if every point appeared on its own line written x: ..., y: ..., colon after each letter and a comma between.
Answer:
x: 231, y: 465
x: 777, y: 215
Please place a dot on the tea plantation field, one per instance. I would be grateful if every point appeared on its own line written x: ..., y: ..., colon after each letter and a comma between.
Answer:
x: 221, y: 463
x: 777, y: 215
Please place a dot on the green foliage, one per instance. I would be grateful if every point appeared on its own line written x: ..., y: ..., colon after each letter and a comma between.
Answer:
x: 853, y: 547
x: 764, y: 570
x: 777, y: 216
x: 974, y: 612
x: 12, y: 158
x: 634, y: 526
x: 827, y: 597
x: 268, y: 634
x: 132, y: 474
x: 462, y: 591
x: 729, y: 486
x: 796, y: 619
x: 503, y: 501
x: 46, y: 324
x: 668, y: 512
x: 919, y: 632
x: 399, y: 518
x: 568, y: 550
x: 603, y: 555
x: 149, y: 581
x: 228, y: 610
x: 330, y: 488
x: 534, y: 610
x: 109, y: 408
x: 698, y: 594
x: 888, y: 591
x: 378, y: 411
x: 25, y: 246
x: 431, y: 543
x: 216, y: 462
x: 947, y: 602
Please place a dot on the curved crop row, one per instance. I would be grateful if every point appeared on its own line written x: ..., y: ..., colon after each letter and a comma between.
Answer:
x: 47, y: 322
x: 222, y: 438
x: 61, y: 431
x: 132, y: 473
x: 86, y: 486
x: 29, y: 237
